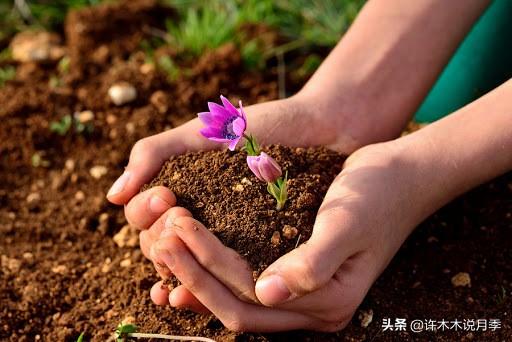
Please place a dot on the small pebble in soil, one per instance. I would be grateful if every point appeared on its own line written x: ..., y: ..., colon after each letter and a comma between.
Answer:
x: 69, y: 164
x: 111, y: 119
x: 276, y: 239
x: 366, y: 317
x: 125, y: 262
x: 79, y: 196
x: 29, y: 257
x: 107, y: 265
x: 98, y: 171
x: 33, y: 198
x: 159, y: 100
x: 146, y: 68
x: 10, y: 264
x: 36, y: 47
x: 461, y: 279
x: 238, y: 188
x: 122, y: 93
x: 103, y: 223
x: 128, y: 320
x: 85, y: 116
x: 60, y: 269
x: 126, y: 237
x: 130, y: 127
x: 289, y: 232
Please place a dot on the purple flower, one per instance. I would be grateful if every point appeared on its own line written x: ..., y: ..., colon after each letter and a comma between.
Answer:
x: 225, y: 123
x: 264, y: 167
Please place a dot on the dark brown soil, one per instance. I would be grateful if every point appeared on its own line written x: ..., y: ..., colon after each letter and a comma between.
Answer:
x: 61, y: 273
x: 220, y: 191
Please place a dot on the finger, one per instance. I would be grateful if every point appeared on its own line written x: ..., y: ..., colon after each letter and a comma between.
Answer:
x: 145, y: 208
x: 222, y: 262
x: 336, y: 302
x: 159, y: 293
x: 182, y: 298
x: 309, y: 267
x: 148, y: 155
x: 233, y: 313
x: 149, y: 236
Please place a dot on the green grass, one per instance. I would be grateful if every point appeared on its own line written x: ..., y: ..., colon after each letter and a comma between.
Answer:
x: 308, y: 24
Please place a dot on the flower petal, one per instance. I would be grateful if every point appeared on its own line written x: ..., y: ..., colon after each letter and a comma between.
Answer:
x: 252, y: 162
x: 206, y: 118
x: 242, y: 111
x: 220, y: 140
x: 219, y: 112
x: 239, y: 127
x: 232, y: 109
x: 232, y: 144
x: 270, y: 171
x: 211, y: 132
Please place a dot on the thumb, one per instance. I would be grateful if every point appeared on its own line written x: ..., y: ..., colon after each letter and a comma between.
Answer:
x: 146, y: 159
x: 301, y: 271
x: 148, y: 155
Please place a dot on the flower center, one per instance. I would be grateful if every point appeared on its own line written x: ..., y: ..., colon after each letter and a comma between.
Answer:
x: 227, y: 130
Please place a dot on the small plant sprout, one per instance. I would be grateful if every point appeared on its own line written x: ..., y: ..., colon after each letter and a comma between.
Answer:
x: 266, y: 169
x: 80, y: 338
x: 127, y: 331
x: 61, y: 127
x: 81, y: 121
x: 227, y: 124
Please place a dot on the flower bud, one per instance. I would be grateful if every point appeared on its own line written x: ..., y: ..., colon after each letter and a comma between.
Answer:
x: 264, y: 167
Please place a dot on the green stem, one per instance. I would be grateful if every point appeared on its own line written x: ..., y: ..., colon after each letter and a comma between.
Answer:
x: 251, y: 146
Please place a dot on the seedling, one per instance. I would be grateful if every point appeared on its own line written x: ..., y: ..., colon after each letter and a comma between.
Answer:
x: 227, y: 124
x: 126, y: 331
x: 63, y: 65
x: 63, y: 126
x: 38, y: 160
x: 80, y: 338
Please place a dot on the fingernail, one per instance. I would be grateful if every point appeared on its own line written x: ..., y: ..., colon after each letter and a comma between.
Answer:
x: 272, y: 290
x: 119, y: 184
x: 172, y: 298
x: 157, y: 205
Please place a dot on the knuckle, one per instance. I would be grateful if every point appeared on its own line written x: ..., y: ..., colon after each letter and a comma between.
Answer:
x: 236, y: 323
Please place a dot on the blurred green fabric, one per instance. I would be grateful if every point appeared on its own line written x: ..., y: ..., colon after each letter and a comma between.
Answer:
x: 482, y: 62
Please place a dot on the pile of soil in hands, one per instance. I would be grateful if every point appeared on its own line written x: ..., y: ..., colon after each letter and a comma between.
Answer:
x: 221, y: 192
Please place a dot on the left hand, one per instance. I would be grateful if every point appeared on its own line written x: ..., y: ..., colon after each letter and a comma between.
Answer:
x: 366, y: 215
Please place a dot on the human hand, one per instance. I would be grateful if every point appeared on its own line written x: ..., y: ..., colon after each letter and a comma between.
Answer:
x: 367, y: 213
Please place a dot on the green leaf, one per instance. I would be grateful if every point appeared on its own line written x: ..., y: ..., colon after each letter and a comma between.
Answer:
x: 80, y: 338
x: 251, y: 146
x: 123, y: 330
x: 61, y: 127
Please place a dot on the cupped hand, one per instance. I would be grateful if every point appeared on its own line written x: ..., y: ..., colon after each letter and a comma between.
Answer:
x: 366, y: 215
x: 316, y: 286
